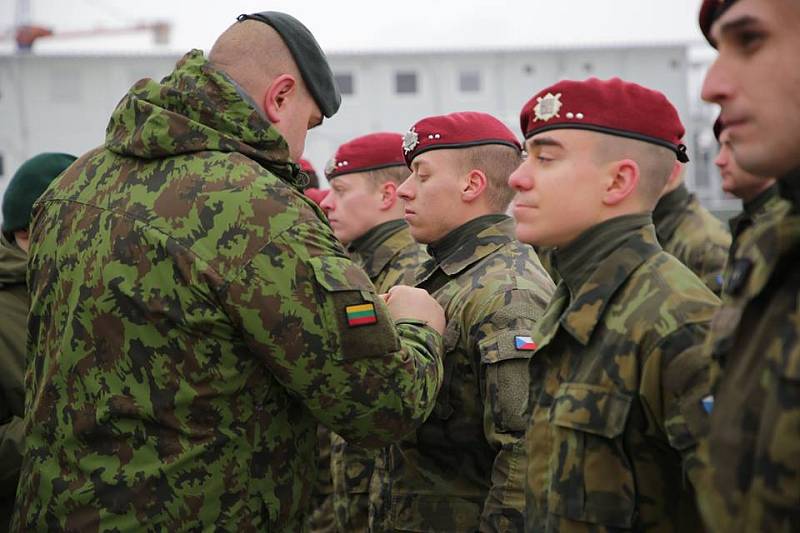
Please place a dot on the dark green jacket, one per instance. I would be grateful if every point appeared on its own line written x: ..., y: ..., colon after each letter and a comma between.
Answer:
x: 617, y: 382
x: 192, y: 320
x: 691, y: 233
x: 753, y: 446
x: 13, y: 330
x: 463, y: 469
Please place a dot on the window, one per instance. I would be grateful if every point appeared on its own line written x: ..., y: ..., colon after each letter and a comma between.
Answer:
x: 345, y: 82
x: 405, y: 83
x: 469, y: 81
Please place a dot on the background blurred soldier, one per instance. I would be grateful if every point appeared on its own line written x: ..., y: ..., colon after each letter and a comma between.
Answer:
x: 192, y: 315
x: 754, y: 437
x: 759, y: 195
x: 618, y: 375
x: 367, y: 216
x: 462, y: 469
x: 690, y: 232
x: 28, y: 183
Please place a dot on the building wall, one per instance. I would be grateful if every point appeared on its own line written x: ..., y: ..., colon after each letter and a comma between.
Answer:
x: 62, y: 102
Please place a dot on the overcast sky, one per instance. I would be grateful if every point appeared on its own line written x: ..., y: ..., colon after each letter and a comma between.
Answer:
x: 344, y: 25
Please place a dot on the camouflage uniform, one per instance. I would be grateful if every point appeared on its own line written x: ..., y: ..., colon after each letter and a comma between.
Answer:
x: 192, y: 319
x: 389, y: 256
x: 691, y: 233
x: 463, y: 469
x: 618, y: 379
x: 762, y: 209
x: 753, y: 447
x: 13, y: 319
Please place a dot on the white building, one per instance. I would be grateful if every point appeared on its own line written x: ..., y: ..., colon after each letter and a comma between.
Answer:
x: 61, y: 102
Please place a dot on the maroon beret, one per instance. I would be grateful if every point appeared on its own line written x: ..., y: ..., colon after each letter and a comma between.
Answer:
x: 306, y: 166
x: 710, y: 11
x: 456, y: 130
x: 614, y: 106
x: 365, y: 153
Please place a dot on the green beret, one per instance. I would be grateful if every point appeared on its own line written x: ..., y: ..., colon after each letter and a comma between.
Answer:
x: 308, y: 56
x: 27, y: 185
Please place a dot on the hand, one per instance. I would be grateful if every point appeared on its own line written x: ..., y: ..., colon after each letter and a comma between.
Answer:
x: 408, y: 302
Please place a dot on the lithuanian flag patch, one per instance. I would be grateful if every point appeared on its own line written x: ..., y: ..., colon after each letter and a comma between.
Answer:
x: 360, y: 315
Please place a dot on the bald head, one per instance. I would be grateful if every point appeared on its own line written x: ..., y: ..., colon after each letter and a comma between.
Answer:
x: 253, y: 54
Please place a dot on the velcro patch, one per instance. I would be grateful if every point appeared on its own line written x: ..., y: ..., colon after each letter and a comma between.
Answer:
x: 524, y: 344
x: 361, y: 315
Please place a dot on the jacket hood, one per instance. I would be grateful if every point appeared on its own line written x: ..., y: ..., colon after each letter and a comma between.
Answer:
x: 196, y: 108
x: 13, y: 263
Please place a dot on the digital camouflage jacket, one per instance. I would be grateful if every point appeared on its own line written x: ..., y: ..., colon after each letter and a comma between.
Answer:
x: 13, y: 320
x: 691, y: 233
x: 753, y: 446
x: 192, y: 319
x: 389, y: 256
x: 617, y: 382
x: 463, y: 468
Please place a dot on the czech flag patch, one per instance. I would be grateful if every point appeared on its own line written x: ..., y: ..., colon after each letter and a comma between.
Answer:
x: 708, y: 403
x: 524, y: 344
x: 360, y: 315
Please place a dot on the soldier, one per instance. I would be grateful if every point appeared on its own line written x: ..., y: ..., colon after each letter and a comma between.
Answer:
x: 760, y: 199
x: 193, y: 317
x: 618, y: 375
x: 759, y: 195
x: 753, y: 445
x: 311, y: 188
x: 462, y: 469
x: 28, y: 183
x: 690, y: 232
x: 367, y: 216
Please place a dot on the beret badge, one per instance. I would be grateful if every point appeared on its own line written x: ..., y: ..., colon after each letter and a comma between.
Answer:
x: 410, y: 140
x: 330, y: 166
x: 547, y: 107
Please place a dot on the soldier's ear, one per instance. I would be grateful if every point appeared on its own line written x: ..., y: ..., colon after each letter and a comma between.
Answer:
x: 278, y: 98
x: 621, y: 181
x: 473, y: 185
x: 389, y: 196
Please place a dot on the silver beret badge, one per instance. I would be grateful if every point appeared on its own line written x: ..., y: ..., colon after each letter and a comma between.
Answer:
x: 410, y: 140
x: 547, y: 107
x: 330, y: 166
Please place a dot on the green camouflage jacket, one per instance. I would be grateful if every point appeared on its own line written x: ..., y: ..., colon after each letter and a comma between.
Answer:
x: 753, y: 446
x: 691, y: 233
x: 617, y: 381
x: 463, y: 468
x: 762, y: 209
x: 13, y: 320
x: 389, y: 256
x: 192, y: 319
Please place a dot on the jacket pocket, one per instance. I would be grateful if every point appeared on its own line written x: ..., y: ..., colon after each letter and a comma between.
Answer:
x: 591, y: 476
x: 507, y: 380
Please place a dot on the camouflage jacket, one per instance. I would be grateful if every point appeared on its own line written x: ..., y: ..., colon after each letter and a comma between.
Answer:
x: 762, y: 209
x: 691, y: 233
x: 753, y: 446
x: 13, y: 319
x: 389, y: 256
x: 617, y: 381
x: 463, y: 468
x: 192, y: 318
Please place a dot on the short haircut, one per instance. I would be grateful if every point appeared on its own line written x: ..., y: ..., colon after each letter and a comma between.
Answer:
x: 497, y: 162
x: 396, y: 174
x: 655, y: 162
